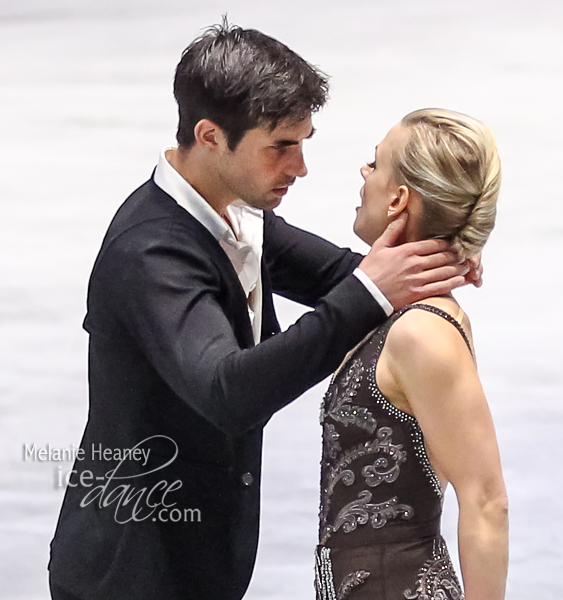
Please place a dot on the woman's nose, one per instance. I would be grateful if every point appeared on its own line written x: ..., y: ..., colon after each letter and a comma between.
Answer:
x: 365, y: 171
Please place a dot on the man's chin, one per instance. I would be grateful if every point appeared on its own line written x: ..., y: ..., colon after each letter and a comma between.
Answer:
x: 269, y: 203
x: 274, y: 203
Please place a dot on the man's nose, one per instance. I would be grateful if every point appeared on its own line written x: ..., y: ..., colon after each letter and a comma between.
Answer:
x: 299, y: 168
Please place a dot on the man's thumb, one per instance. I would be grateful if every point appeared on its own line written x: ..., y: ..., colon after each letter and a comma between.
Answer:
x: 389, y: 236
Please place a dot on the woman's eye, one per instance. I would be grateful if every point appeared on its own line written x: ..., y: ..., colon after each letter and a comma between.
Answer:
x: 371, y: 165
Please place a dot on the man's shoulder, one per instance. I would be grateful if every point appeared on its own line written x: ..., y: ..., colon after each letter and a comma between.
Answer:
x: 147, y: 203
x: 151, y: 221
x: 147, y: 212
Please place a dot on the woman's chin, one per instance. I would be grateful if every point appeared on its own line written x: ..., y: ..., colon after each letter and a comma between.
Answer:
x: 369, y: 240
x: 367, y: 232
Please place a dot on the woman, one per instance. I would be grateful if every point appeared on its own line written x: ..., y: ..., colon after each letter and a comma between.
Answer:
x: 405, y: 414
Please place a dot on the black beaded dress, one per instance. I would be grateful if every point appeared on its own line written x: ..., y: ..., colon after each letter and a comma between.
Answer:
x: 381, y: 501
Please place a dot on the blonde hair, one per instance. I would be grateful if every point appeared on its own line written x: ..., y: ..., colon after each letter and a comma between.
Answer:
x: 451, y: 160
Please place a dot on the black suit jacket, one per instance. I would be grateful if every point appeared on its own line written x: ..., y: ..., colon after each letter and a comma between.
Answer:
x: 172, y: 358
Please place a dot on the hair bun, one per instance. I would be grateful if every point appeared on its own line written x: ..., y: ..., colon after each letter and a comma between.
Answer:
x: 451, y: 160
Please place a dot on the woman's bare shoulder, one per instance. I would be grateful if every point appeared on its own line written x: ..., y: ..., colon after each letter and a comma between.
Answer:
x: 423, y: 336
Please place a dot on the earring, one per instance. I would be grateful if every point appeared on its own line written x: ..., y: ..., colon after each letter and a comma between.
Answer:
x: 389, y: 213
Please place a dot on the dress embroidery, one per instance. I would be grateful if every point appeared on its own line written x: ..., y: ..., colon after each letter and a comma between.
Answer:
x: 330, y: 441
x: 360, y: 511
x: 350, y: 582
x: 377, y: 479
x: 384, y: 469
x: 338, y: 400
x: 437, y: 579
x: 324, y: 581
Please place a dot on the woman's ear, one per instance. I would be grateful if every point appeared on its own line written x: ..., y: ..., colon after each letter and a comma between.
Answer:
x: 399, y: 202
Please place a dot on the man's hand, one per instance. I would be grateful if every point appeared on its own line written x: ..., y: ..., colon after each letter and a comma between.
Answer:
x: 475, y: 273
x: 415, y: 270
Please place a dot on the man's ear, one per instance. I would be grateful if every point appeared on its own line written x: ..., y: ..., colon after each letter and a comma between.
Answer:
x: 400, y: 201
x: 209, y: 135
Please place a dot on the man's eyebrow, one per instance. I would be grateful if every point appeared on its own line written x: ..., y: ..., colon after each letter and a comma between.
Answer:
x: 284, y: 143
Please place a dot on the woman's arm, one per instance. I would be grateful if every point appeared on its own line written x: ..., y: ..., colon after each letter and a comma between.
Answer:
x: 434, y: 369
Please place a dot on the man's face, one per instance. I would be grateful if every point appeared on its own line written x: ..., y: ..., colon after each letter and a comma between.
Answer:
x: 265, y: 163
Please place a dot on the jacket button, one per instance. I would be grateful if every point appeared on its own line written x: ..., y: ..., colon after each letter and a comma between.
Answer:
x: 247, y: 479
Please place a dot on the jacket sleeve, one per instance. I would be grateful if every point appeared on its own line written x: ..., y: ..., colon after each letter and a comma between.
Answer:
x: 302, y: 266
x: 168, y: 295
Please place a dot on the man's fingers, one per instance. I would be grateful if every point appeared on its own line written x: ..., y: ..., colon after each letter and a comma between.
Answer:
x: 438, y: 259
x: 475, y: 275
x: 426, y: 247
x: 439, y: 288
x: 416, y: 270
x: 393, y: 231
x: 475, y: 261
x: 443, y: 274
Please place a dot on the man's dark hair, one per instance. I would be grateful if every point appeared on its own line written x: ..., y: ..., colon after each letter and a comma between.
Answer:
x: 241, y: 79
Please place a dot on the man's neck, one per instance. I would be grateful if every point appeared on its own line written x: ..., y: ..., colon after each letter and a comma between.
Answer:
x: 200, y: 177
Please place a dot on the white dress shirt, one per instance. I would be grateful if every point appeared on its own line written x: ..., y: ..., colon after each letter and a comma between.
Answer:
x: 242, y: 244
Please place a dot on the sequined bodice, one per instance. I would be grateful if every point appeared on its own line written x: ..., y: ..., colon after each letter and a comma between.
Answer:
x: 377, y: 484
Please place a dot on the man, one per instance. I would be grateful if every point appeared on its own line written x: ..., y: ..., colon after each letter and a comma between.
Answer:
x: 186, y: 360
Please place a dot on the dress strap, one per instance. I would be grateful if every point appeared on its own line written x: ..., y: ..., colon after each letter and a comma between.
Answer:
x: 460, y: 315
x: 379, y: 335
x: 445, y: 315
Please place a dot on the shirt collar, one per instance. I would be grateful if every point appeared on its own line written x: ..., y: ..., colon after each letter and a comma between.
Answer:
x: 168, y: 179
